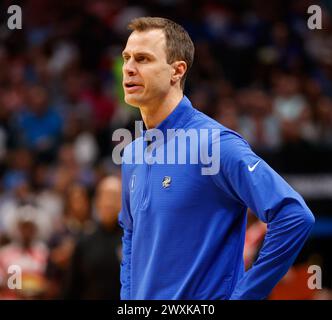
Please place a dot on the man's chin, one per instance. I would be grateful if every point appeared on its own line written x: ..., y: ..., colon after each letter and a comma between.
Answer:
x: 132, y: 101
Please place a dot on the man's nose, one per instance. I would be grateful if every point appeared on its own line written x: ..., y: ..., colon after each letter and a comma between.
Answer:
x: 129, y: 67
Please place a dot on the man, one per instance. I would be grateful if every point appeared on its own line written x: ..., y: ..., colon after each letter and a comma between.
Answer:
x: 26, y: 252
x: 183, y: 230
x: 95, y: 267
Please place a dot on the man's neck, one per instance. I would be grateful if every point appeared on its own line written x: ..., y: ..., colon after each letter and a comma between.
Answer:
x: 155, y: 113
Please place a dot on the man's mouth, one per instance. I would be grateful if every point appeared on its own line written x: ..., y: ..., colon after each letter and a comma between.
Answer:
x: 132, y: 86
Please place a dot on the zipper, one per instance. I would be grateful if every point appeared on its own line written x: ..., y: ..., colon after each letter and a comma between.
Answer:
x: 145, y: 195
x: 146, y: 186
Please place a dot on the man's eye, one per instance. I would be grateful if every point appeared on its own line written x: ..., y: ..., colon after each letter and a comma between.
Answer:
x: 142, y: 59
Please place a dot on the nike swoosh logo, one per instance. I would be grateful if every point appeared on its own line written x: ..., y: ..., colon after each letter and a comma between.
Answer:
x: 251, y: 169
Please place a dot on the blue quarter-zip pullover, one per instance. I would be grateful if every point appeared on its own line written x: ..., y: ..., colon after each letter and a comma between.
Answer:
x: 184, y: 231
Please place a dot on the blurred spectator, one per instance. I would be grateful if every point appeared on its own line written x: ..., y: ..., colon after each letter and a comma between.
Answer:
x: 289, y: 103
x: 48, y: 198
x: 75, y: 168
x: 258, y: 123
x: 227, y: 114
x: 26, y: 253
x: 18, y: 194
x: 70, y: 103
x: 324, y: 117
x: 94, y: 272
x: 39, y: 126
x: 76, y: 222
x: 103, y: 109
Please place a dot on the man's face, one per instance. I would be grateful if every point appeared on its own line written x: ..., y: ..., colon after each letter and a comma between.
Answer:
x: 146, y: 73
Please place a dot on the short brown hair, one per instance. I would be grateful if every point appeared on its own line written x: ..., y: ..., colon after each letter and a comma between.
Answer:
x: 178, y: 43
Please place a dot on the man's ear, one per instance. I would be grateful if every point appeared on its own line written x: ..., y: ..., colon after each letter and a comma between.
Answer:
x: 179, y: 70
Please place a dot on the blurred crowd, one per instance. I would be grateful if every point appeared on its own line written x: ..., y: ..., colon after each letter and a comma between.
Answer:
x: 258, y: 70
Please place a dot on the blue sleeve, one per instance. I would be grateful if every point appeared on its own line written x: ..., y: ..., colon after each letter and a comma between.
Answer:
x: 249, y: 179
x: 125, y: 221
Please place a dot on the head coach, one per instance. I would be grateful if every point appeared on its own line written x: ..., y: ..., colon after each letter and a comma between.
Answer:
x: 184, y: 231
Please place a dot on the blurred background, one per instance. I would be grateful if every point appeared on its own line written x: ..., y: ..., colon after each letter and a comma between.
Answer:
x: 258, y: 70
